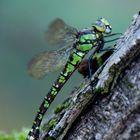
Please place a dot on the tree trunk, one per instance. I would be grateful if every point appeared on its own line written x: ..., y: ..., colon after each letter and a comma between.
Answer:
x: 114, y: 114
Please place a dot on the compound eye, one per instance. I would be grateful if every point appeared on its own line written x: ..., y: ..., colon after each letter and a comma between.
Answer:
x: 108, y: 29
x: 99, y: 23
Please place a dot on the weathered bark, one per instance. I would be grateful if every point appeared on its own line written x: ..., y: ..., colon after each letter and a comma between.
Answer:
x: 117, y: 116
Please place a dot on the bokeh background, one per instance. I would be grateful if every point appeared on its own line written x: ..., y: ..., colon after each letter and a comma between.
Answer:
x: 22, y: 27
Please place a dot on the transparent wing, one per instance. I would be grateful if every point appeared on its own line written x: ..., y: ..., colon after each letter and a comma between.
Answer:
x: 59, y: 33
x: 46, y: 62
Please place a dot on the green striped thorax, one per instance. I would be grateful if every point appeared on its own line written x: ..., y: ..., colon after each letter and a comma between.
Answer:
x: 88, y: 39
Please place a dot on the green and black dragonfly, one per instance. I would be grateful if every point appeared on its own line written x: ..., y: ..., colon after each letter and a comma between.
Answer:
x: 74, y: 45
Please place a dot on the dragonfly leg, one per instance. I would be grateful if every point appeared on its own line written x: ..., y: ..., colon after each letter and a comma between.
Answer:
x: 107, y: 49
x: 89, y: 68
x: 89, y: 64
x: 90, y: 74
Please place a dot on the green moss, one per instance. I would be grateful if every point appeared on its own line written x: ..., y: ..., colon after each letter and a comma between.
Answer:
x: 128, y: 84
x: 99, y: 90
x: 113, y: 75
x: 53, y: 121
x: 61, y: 107
x: 50, y: 125
x: 14, y: 135
x: 51, y: 138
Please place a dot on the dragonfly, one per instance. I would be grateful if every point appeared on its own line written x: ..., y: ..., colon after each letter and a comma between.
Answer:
x: 73, y: 46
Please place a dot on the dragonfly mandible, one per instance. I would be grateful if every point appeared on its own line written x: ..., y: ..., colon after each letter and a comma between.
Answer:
x: 73, y: 46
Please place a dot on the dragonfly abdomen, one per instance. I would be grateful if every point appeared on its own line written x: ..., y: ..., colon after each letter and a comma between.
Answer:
x: 71, y: 65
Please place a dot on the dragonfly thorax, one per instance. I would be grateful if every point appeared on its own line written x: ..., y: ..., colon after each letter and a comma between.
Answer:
x: 87, y: 39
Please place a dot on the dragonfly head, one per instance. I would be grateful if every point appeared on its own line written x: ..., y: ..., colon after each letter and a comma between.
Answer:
x: 103, y: 26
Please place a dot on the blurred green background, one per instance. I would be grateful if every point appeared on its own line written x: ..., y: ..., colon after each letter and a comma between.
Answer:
x: 22, y: 27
